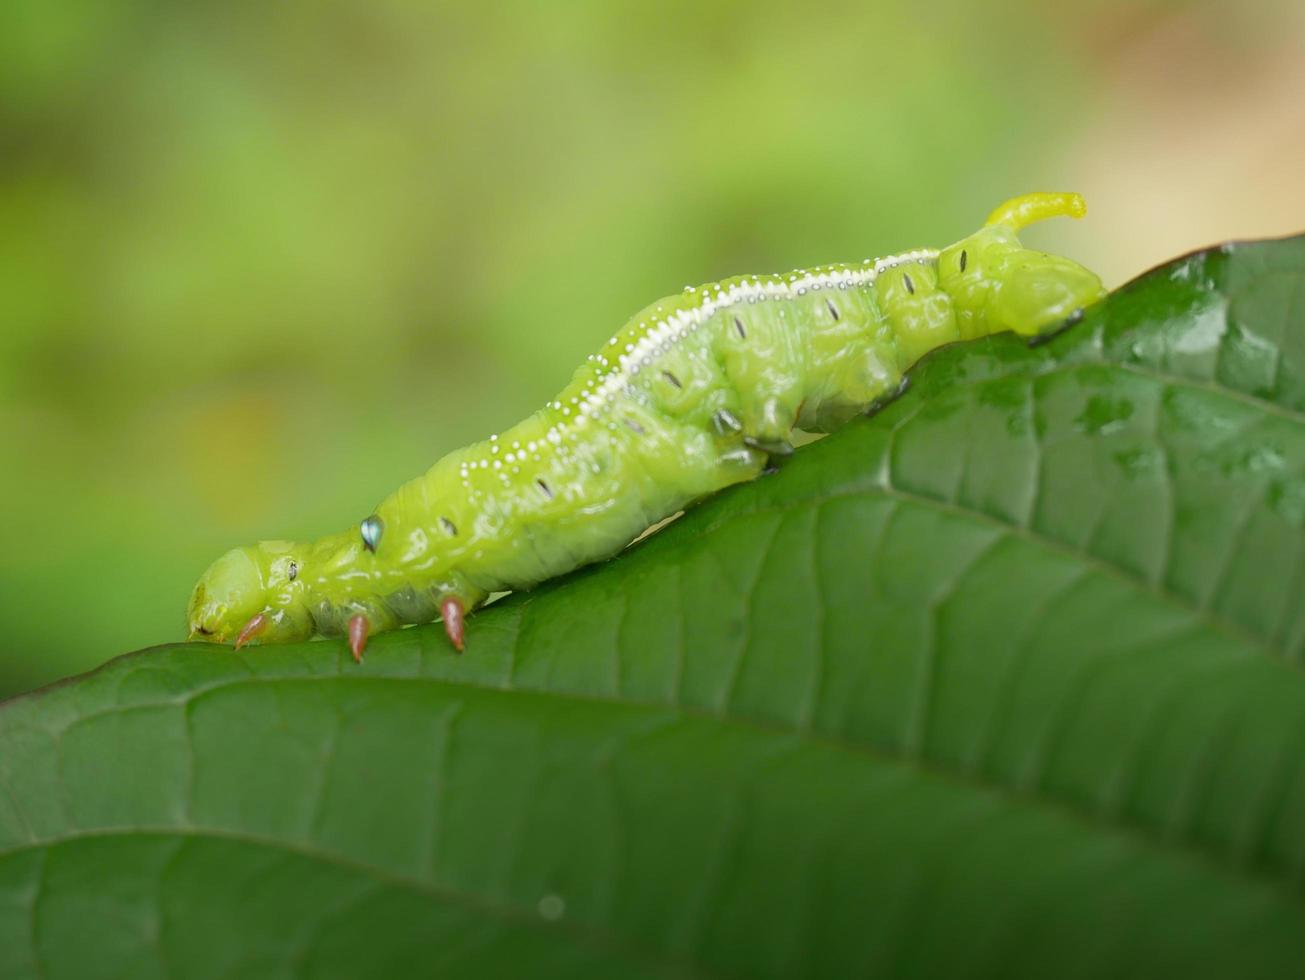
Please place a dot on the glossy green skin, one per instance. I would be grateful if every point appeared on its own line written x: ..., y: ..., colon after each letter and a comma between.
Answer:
x: 693, y: 394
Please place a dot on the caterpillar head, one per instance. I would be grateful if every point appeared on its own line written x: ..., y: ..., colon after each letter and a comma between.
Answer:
x: 998, y: 284
x: 252, y: 594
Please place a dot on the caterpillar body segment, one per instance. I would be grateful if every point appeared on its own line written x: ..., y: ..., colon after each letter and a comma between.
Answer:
x: 695, y: 393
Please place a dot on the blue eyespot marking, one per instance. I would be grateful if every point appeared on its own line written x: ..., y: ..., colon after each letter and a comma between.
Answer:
x: 372, y: 529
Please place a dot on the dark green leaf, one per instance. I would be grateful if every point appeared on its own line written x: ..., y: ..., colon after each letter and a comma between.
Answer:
x: 1005, y: 681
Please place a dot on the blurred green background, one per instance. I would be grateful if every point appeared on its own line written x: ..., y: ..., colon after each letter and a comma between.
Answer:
x: 259, y: 263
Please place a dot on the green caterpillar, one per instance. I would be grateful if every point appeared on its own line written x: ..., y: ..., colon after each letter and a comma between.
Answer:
x: 695, y: 393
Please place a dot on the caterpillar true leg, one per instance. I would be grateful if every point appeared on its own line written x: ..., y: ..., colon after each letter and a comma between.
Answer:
x: 257, y: 624
x: 358, y: 629
x: 692, y: 395
x: 452, y: 612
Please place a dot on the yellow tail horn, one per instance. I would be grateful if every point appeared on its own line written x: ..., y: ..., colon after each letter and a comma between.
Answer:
x: 1019, y: 212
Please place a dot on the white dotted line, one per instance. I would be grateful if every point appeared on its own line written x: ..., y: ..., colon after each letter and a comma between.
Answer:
x: 672, y: 330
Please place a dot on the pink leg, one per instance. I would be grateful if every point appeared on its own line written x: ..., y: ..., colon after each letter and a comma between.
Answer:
x: 252, y: 628
x: 358, y: 627
x: 451, y: 609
